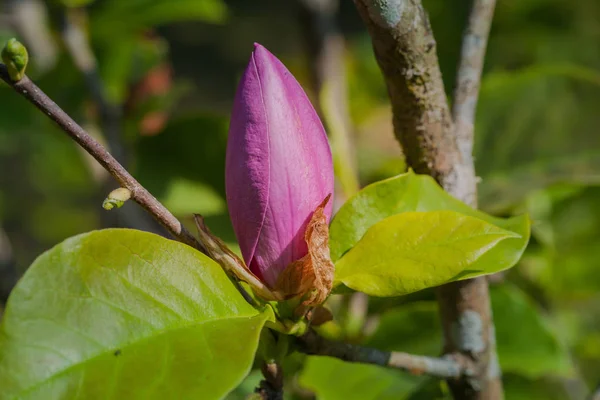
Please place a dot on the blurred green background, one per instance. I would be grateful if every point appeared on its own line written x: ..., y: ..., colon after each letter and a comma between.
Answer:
x: 154, y: 80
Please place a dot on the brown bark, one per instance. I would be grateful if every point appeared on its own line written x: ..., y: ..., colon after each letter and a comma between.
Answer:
x: 405, y: 49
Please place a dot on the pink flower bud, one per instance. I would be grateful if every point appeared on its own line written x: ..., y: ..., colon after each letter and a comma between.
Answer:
x: 278, y: 169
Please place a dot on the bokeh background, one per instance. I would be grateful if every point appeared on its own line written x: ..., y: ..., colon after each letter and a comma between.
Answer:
x: 155, y: 79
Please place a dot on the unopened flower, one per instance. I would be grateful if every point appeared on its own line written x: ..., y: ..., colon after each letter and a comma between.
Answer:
x: 279, y: 176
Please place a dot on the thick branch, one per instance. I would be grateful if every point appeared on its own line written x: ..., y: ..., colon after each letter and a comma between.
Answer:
x: 139, y: 194
x: 443, y: 367
x: 468, y: 78
x: 405, y: 50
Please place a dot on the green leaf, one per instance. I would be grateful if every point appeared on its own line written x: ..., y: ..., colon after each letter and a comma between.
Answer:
x: 536, y: 127
x: 406, y: 192
x: 135, y: 15
x: 125, y: 314
x: 333, y: 379
x: 534, y: 352
x: 417, y: 250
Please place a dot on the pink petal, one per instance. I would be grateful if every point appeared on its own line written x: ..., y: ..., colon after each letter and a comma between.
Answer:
x: 279, y: 166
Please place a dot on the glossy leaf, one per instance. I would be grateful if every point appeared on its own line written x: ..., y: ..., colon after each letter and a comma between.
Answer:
x: 125, y: 314
x: 408, y: 192
x: 417, y: 250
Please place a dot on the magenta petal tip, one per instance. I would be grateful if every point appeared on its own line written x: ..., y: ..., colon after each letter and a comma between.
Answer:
x: 278, y: 168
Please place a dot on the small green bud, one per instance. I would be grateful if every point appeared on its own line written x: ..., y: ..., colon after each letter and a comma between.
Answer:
x: 15, y: 56
x: 116, y: 198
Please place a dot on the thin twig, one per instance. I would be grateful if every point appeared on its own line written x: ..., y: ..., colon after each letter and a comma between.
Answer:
x: 448, y: 366
x: 77, y: 43
x: 139, y: 194
x: 468, y: 78
x: 271, y: 388
x: 405, y: 49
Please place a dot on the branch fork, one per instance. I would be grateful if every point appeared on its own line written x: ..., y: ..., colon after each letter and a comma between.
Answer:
x: 434, y: 142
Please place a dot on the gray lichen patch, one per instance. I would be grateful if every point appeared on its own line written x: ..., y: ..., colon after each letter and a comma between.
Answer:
x: 467, y: 332
x: 386, y: 13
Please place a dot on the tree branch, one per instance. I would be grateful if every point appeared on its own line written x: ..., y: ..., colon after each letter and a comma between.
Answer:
x: 139, y: 194
x: 78, y: 46
x: 406, y: 52
x: 468, y: 78
x: 271, y: 388
x: 448, y: 367
x: 77, y: 43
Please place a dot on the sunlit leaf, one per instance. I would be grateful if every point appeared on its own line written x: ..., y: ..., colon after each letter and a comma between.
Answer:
x: 417, y: 250
x: 125, y: 314
x: 407, y: 192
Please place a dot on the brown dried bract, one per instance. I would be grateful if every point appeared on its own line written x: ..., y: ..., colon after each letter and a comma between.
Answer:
x: 216, y: 249
x: 311, y: 277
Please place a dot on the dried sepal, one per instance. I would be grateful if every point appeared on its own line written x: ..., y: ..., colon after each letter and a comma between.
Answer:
x: 311, y: 277
x: 218, y: 251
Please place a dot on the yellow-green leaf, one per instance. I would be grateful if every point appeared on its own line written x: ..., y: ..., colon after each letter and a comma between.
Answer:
x: 125, y: 314
x: 402, y: 193
x: 416, y: 250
